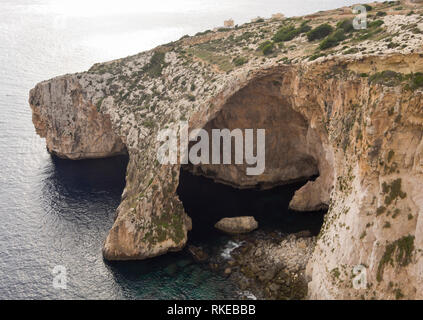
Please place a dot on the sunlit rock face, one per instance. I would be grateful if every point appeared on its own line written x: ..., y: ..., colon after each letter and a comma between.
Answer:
x: 70, y: 123
x: 339, y: 117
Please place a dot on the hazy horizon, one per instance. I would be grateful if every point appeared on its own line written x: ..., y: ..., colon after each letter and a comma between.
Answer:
x: 99, y: 31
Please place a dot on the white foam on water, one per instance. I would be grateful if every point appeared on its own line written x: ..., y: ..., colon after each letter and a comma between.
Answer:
x: 229, y: 247
x: 248, y: 295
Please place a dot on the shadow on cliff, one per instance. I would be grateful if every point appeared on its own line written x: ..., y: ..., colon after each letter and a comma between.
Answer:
x: 76, y: 186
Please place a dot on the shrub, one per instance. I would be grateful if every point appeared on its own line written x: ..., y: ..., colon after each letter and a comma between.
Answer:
x: 263, y: 44
x: 333, y: 40
x: 304, y: 27
x: 285, y: 34
x: 239, y: 61
x: 319, y: 32
x: 346, y: 25
x: 290, y: 32
x: 417, y: 80
x: 375, y: 24
x: 155, y: 66
x: 380, y: 14
x: 268, y: 49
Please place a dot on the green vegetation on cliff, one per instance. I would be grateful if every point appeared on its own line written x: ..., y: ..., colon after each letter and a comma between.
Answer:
x: 399, y: 252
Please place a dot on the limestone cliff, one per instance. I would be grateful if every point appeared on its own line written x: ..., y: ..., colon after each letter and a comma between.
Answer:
x: 347, y: 108
x: 70, y: 123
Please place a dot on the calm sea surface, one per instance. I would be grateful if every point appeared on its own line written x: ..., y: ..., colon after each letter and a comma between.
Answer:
x: 56, y: 212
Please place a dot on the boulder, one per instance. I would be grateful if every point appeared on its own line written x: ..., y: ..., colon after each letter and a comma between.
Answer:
x: 237, y: 225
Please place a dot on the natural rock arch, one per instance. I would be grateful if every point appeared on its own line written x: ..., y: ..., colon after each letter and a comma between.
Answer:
x: 368, y: 145
x: 293, y: 149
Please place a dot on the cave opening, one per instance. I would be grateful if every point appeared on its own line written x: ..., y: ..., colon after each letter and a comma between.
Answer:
x: 207, y: 201
x: 297, y: 175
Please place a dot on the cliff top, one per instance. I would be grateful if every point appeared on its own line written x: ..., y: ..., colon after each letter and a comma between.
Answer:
x: 197, y: 68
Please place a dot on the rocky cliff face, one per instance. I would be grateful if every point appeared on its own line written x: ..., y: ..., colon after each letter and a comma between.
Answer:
x: 70, y: 123
x: 351, y: 114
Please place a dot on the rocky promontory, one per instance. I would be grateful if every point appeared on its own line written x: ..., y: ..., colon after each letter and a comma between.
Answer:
x: 342, y: 104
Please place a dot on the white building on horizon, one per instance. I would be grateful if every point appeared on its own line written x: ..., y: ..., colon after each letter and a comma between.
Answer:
x: 278, y: 16
x: 229, y: 23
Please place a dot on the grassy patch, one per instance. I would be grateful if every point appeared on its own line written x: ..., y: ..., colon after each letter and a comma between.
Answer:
x: 223, y: 62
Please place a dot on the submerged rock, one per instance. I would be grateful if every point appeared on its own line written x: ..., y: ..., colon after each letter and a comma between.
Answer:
x: 237, y: 225
x: 198, y: 254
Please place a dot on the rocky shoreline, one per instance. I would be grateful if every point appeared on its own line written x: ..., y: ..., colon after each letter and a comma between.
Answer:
x: 264, y: 265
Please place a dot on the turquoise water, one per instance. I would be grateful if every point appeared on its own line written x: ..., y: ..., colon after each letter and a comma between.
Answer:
x: 56, y: 212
